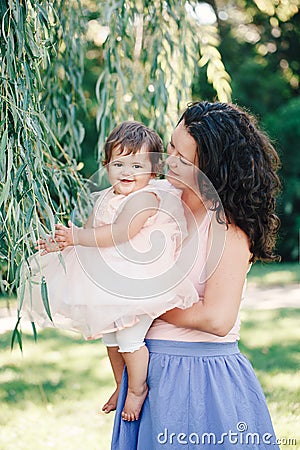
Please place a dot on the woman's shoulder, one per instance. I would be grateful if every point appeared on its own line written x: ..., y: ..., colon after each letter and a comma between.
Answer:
x: 236, y: 242
x: 230, y: 230
x: 235, y: 233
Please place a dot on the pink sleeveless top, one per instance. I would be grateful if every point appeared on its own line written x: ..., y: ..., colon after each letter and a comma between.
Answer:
x: 166, y: 331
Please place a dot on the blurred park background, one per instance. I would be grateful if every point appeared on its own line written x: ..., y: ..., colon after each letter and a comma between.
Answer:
x: 71, y: 70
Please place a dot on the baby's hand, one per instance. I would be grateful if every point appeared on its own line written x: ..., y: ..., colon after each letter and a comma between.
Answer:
x: 47, y: 246
x: 64, y: 236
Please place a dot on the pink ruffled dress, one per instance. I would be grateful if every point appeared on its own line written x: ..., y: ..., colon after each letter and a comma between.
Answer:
x: 99, y: 290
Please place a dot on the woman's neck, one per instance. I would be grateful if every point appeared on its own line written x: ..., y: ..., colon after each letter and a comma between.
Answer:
x: 193, y: 204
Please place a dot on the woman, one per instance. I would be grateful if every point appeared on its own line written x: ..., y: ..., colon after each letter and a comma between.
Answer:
x: 202, y: 390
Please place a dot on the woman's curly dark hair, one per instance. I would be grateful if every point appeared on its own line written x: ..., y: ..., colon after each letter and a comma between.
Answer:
x: 242, y: 165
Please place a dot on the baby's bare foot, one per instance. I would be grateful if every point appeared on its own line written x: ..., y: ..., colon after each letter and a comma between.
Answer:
x: 134, y: 402
x: 111, y: 404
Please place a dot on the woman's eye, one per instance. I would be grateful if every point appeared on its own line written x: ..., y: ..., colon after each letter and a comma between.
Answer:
x: 137, y: 166
x: 184, y: 161
x: 117, y: 164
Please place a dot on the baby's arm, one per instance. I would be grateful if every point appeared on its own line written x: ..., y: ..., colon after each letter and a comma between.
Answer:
x: 50, y: 244
x: 128, y: 223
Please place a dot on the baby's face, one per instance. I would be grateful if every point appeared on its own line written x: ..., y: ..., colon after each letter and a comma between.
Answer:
x: 129, y: 173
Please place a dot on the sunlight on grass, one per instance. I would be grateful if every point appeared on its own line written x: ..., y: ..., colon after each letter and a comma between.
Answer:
x: 270, y: 326
x: 274, y: 274
x: 280, y: 276
x: 52, y: 394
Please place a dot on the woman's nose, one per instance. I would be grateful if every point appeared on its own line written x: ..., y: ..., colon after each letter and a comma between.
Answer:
x: 170, y: 150
x: 171, y: 160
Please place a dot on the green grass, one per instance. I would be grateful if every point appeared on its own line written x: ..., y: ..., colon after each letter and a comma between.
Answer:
x: 271, y: 340
x: 274, y: 274
x: 51, y: 395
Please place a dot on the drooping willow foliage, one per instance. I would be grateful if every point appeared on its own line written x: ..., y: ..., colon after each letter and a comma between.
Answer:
x: 152, y: 51
x: 150, y: 54
x: 40, y: 93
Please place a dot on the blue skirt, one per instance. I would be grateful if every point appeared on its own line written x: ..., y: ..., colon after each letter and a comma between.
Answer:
x: 201, y: 395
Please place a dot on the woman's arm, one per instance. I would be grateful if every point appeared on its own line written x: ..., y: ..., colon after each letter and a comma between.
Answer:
x: 217, y: 312
x: 128, y: 223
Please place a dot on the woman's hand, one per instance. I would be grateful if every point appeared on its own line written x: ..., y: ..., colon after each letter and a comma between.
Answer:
x: 65, y: 236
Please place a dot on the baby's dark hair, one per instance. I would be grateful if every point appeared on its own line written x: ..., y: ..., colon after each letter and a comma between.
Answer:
x: 129, y: 137
x: 242, y: 165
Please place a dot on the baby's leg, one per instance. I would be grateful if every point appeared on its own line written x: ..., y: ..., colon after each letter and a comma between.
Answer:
x: 117, y: 364
x: 136, y: 356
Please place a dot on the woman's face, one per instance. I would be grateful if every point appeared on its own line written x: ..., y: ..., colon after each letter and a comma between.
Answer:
x: 183, y: 159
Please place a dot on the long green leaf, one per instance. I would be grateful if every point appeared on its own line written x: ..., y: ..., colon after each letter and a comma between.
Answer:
x: 34, y: 331
x: 17, y: 335
x: 3, y: 146
x: 44, y: 292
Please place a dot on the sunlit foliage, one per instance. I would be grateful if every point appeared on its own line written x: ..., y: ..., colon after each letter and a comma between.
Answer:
x: 40, y: 90
x: 151, y: 51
